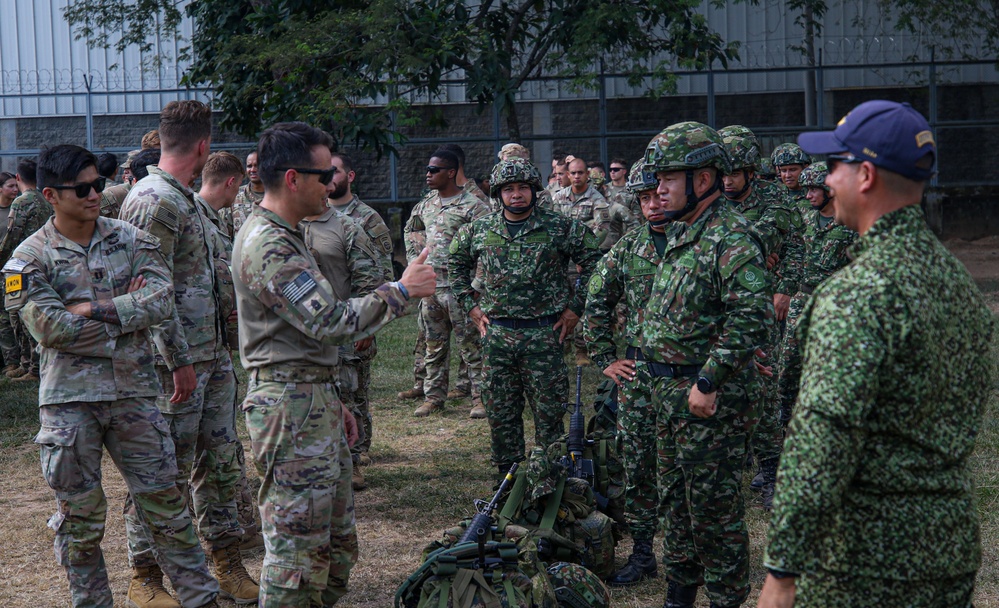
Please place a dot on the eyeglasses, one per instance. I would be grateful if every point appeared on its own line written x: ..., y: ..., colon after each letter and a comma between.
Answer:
x: 433, y: 170
x: 846, y: 159
x: 325, y: 175
x: 83, y: 190
x: 616, y: 169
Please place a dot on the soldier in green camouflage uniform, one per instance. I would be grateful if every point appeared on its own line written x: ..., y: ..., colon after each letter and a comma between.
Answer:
x: 624, y: 278
x: 290, y: 323
x: 28, y: 213
x: 876, y: 503
x: 196, y: 372
x: 525, y: 310
x: 445, y: 212
x: 706, y: 316
x: 359, y: 358
x: 90, y: 307
x: 618, y: 191
x: 824, y: 252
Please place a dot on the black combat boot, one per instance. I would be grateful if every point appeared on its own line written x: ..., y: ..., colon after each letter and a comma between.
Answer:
x: 768, y: 468
x: 678, y: 596
x: 641, y: 565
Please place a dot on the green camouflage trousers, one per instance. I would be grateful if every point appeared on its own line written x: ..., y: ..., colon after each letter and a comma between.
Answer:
x: 442, y: 314
x: 72, y: 439
x: 10, y: 347
x: 789, y: 362
x: 700, y: 485
x: 833, y: 590
x: 636, y: 444
x: 522, y: 366
x: 204, y: 433
x: 306, y: 501
x: 768, y: 437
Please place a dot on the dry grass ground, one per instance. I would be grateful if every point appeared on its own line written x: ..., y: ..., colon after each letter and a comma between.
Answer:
x: 424, y: 476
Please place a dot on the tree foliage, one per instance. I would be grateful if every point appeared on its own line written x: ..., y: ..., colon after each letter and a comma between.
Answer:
x: 329, y: 63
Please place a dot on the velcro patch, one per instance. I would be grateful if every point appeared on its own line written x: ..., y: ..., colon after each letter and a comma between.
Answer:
x: 687, y: 260
x: 13, y: 284
x: 596, y: 284
x: 752, y: 278
x: 14, y: 265
x: 167, y: 217
x: 640, y: 266
x: 493, y: 238
x: 454, y: 246
x: 538, y: 237
x: 299, y: 288
x: 590, y: 240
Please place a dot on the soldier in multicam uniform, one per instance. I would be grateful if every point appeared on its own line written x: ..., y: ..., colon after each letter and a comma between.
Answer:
x: 876, y: 504
x: 358, y: 357
x: 525, y: 310
x: 196, y: 373
x: 88, y: 288
x: 248, y: 198
x: 114, y: 196
x: 447, y: 211
x: 618, y: 191
x: 290, y: 322
x: 624, y: 278
x: 773, y: 224
x: 824, y: 251
x: 707, y: 315
x: 28, y: 213
x: 10, y: 345
x: 349, y: 261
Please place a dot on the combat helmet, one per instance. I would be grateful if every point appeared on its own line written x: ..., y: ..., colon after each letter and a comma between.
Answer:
x: 576, y: 586
x: 640, y: 180
x: 739, y: 131
x: 790, y: 154
x: 765, y: 169
x: 686, y: 146
x: 511, y: 171
x: 743, y: 153
x: 814, y: 176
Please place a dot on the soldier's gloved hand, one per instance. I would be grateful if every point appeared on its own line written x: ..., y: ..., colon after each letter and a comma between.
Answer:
x: 621, y: 370
x: 419, y: 277
x: 349, y: 426
x: 480, y: 319
x: 782, y: 303
x: 701, y: 405
x: 566, y: 322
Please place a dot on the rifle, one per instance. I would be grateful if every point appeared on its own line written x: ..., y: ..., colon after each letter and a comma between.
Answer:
x: 483, y: 520
x: 578, y: 466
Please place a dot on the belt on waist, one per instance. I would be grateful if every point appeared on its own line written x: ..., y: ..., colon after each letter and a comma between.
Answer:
x: 807, y: 289
x: 668, y: 370
x: 305, y: 375
x: 544, y: 321
x: 633, y: 352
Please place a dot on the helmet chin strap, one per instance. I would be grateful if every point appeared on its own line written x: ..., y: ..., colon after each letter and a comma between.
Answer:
x: 515, y: 210
x: 693, y: 199
x: 745, y: 187
x: 825, y: 201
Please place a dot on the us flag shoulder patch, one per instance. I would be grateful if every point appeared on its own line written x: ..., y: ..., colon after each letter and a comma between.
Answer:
x: 299, y: 288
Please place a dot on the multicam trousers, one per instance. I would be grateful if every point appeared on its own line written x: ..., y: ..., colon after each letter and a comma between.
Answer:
x: 442, y: 314
x: 204, y: 432
x: 355, y: 384
x: 306, y: 501
x: 700, y: 485
x: 522, y: 366
x: 10, y: 346
x: 72, y: 439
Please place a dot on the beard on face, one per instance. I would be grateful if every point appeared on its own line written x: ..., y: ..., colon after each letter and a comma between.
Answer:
x: 339, y: 190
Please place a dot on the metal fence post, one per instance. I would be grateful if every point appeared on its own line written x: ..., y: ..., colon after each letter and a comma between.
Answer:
x: 88, y: 82
x: 711, y: 97
x: 820, y: 93
x: 602, y: 111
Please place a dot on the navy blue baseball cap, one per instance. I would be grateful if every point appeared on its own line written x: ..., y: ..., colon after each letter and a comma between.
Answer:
x: 886, y: 133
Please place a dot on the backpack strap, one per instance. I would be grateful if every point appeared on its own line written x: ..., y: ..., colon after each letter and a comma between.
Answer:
x: 466, y: 581
x: 551, y: 509
x: 514, y: 499
x: 603, y: 475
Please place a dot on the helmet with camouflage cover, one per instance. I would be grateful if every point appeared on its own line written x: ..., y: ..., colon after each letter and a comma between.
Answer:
x: 640, y: 180
x: 743, y: 152
x: 814, y: 176
x: 511, y: 171
x: 576, y: 586
x: 739, y: 131
x: 686, y: 146
x: 790, y: 154
x: 765, y: 168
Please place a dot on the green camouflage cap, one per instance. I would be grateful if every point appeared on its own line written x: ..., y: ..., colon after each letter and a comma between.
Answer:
x: 686, y: 145
x: 640, y: 180
x: 512, y: 171
x: 742, y: 152
x: 789, y: 154
x: 576, y: 586
x: 814, y: 176
x: 739, y: 131
x: 128, y: 161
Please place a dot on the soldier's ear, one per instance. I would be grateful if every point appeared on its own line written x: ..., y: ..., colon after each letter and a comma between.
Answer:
x: 51, y: 196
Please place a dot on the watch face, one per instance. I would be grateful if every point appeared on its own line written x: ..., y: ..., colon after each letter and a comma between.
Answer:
x: 705, y: 386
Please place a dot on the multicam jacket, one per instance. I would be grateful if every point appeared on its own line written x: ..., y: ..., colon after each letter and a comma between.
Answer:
x: 590, y: 207
x: 709, y: 300
x: 440, y: 221
x: 378, y: 233
x: 160, y: 205
x: 84, y: 359
x: 524, y: 276
x: 28, y: 213
x: 875, y: 480
x: 112, y: 198
x: 621, y: 222
x: 622, y: 196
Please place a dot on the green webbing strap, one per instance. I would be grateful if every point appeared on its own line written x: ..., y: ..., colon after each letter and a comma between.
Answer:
x: 463, y: 591
x: 444, y: 593
x: 551, y: 509
x: 515, y: 498
x: 511, y: 599
x: 603, y: 477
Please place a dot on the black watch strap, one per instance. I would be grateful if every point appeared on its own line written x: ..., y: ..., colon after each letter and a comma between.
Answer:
x: 781, y: 574
x: 705, y: 386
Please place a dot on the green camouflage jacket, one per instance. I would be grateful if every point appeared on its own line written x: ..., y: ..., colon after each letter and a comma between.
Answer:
x: 524, y: 277
x: 28, y: 213
x: 246, y: 201
x: 823, y: 252
x: 163, y: 207
x: 84, y: 359
x: 799, y: 206
x: 875, y: 479
x: 624, y: 275
x: 709, y: 300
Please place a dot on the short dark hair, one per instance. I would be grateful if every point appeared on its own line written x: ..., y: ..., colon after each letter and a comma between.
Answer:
x: 620, y: 161
x: 456, y: 150
x: 287, y: 144
x: 447, y: 156
x: 107, y: 164
x: 61, y: 164
x: 596, y: 164
x: 26, y: 170
x: 183, y: 124
x: 345, y: 160
x: 220, y: 166
x: 142, y: 161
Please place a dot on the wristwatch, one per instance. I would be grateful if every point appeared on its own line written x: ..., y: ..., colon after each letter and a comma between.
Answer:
x: 705, y: 386
x: 780, y: 574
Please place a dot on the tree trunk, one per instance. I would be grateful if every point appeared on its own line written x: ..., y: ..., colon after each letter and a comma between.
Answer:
x: 512, y: 123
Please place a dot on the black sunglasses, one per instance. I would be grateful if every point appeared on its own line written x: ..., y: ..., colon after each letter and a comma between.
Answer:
x: 325, y: 175
x: 846, y: 159
x: 83, y: 190
x: 613, y: 169
x: 433, y: 170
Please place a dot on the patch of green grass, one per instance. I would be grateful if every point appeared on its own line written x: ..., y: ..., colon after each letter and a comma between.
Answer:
x: 18, y: 412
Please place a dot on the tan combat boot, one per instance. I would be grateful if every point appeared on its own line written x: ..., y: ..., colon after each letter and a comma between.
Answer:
x: 456, y: 394
x: 413, y: 393
x: 427, y: 408
x: 28, y: 377
x: 478, y: 411
x: 146, y: 590
x: 17, y: 372
x: 234, y: 581
x: 357, y: 479
x: 363, y: 459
